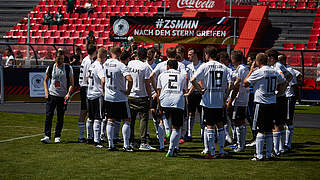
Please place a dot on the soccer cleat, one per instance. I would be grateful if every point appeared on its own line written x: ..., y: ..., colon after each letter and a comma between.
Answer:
x: 128, y: 149
x: 169, y: 155
x: 251, y: 144
x: 181, y: 141
x: 98, y: 145
x: 82, y: 140
x: 103, y: 138
x: 168, y: 135
x: 90, y: 141
x: 205, y: 151
x: 45, y: 140
x: 57, y: 140
x: 256, y: 159
x: 146, y: 147
x: 209, y: 156
x: 236, y: 150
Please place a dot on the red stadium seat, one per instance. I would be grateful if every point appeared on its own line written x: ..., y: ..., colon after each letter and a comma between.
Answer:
x: 69, y: 41
x: 301, y: 5
x: 112, y: 3
x: 82, y: 28
x: 135, y: 9
x: 311, y: 46
x: 318, y: 85
x: 79, y: 41
x: 157, y: 3
x: 121, y: 3
x: 50, y: 40
x: 103, y: 4
x: 116, y: 9
x: 76, y: 34
x: 130, y: 4
x: 126, y: 9
x: 40, y: 41
x: 314, y: 32
x: 22, y: 40
x: 99, y: 41
x: 288, y: 46
x: 309, y: 84
x: 313, y: 39
x: 300, y: 46
x: 139, y: 3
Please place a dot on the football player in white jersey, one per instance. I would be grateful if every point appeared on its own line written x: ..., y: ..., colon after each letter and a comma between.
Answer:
x: 96, y: 79
x: 265, y: 80
x: 238, y: 102
x: 292, y: 94
x: 91, y: 50
x: 171, y: 87
x: 161, y: 67
x: 215, y: 78
x: 115, y: 96
x: 181, y: 51
x: 140, y: 96
x: 278, y: 132
x: 195, y: 97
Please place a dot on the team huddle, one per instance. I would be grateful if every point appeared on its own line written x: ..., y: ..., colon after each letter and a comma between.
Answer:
x: 121, y: 87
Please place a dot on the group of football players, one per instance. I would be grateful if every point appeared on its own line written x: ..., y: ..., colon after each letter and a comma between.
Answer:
x: 119, y: 86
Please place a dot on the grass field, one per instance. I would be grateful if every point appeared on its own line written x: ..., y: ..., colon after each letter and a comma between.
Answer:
x: 29, y: 159
x: 307, y: 109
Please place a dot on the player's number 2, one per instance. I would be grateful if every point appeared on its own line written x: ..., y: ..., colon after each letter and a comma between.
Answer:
x: 172, y: 79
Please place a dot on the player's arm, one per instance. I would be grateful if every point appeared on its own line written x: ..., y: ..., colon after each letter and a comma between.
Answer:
x: 45, y: 85
x: 281, y: 88
x: 103, y: 81
x: 296, y: 91
x: 235, y: 92
x: 246, y: 83
x: 70, y: 87
x: 196, y: 84
x: 148, y: 89
x: 130, y: 83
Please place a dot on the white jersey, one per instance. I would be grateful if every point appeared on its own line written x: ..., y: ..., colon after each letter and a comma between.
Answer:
x: 281, y: 68
x: 95, y: 74
x: 242, y: 97
x: 161, y: 67
x: 290, y: 91
x: 84, y: 70
x: 185, y: 62
x: 140, y: 72
x: 115, y: 73
x: 264, y: 82
x: 215, y: 77
x: 172, y: 83
x: 151, y: 69
x: 297, y: 73
x: 191, y: 70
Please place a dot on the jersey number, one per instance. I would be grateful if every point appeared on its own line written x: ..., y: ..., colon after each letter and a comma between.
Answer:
x: 216, y: 77
x: 271, y: 84
x: 109, y: 76
x: 173, y: 78
x: 91, y: 77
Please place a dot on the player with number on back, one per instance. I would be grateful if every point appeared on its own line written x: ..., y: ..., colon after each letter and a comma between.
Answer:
x: 116, y: 100
x: 215, y: 78
x: 171, y: 87
x: 96, y: 78
x: 265, y: 81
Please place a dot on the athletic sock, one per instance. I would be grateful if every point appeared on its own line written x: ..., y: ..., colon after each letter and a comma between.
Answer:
x: 166, y: 124
x: 238, y: 132
x: 254, y: 134
x: 227, y: 129
x: 289, y: 134
x: 234, y: 133
x: 276, y: 142
x: 117, y: 126
x: 268, y: 145
x: 103, y: 127
x: 110, y: 133
x: 184, y: 129
x: 221, y: 140
x: 161, y: 136
x: 97, y: 130
x: 282, y: 140
x: 81, y: 129
x: 173, y: 137
x: 259, y: 145
x: 126, y: 133
x: 243, y: 137
x: 155, y: 123
x: 190, y: 125
x: 89, y: 127
x: 205, y: 139
x: 211, y: 137
x: 179, y: 137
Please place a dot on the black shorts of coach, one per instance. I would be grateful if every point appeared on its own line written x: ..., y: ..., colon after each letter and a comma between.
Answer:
x: 263, y: 117
x: 280, y: 111
x: 212, y: 116
x: 175, y: 115
x: 238, y: 113
x: 194, y: 100
x: 117, y: 110
x: 96, y: 109
x: 291, y: 103
x: 83, y: 98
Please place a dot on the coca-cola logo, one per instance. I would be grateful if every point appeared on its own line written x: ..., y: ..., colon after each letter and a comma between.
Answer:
x: 196, y: 4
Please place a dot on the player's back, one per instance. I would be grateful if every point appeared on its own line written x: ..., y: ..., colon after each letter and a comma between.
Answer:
x: 86, y: 62
x: 243, y: 95
x: 95, y: 72
x: 139, y: 71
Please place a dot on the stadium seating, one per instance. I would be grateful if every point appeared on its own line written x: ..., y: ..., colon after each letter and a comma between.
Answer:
x: 290, y: 4
x: 309, y: 84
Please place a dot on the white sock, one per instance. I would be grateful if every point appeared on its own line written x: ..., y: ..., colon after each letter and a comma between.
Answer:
x: 155, y: 123
x: 238, y: 133
x: 227, y: 129
x: 234, y: 133
x: 282, y: 140
x: 268, y: 145
x: 161, y: 136
x: 184, y: 129
x: 276, y: 142
x: 190, y: 125
x: 103, y: 127
x: 221, y: 140
x: 110, y: 133
x: 81, y: 129
x: 89, y: 127
x: 243, y: 130
x: 117, y: 126
x: 179, y: 137
x: 126, y: 133
x: 289, y: 134
x: 211, y: 137
x: 205, y: 139
x: 97, y: 130
x: 173, y: 139
x: 166, y: 124
x: 259, y: 145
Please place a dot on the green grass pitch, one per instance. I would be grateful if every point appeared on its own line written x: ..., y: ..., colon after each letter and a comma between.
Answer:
x: 29, y: 159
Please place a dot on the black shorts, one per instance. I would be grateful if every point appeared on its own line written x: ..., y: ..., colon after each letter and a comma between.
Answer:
x: 263, y: 117
x: 291, y: 103
x: 117, y: 110
x: 238, y: 113
x: 83, y: 97
x: 212, y: 116
x: 175, y: 115
x: 154, y: 104
x: 280, y: 111
x: 194, y: 100
x: 95, y: 109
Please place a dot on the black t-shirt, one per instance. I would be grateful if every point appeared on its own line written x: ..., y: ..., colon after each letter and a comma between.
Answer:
x: 77, y: 62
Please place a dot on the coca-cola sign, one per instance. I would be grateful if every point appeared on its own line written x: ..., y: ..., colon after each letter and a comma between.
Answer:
x: 197, y: 5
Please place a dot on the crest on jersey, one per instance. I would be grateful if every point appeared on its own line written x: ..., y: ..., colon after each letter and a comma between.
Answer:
x: 120, y: 27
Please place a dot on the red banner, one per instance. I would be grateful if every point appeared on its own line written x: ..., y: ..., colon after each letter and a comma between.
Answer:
x: 197, y: 5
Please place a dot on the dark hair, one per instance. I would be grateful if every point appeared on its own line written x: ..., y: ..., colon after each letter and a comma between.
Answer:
x: 262, y: 58
x: 116, y: 50
x: 172, y: 64
x: 152, y: 49
x: 125, y: 55
x: 237, y: 55
x: 272, y: 53
x: 142, y: 53
x: 180, y: 48
x: 211, y: 51
x: 252, y: 55
x: 283, y: 56
x: 195, y: 51
x: 171, y: 52
x: 91, y: 48
x: 78, y: 49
